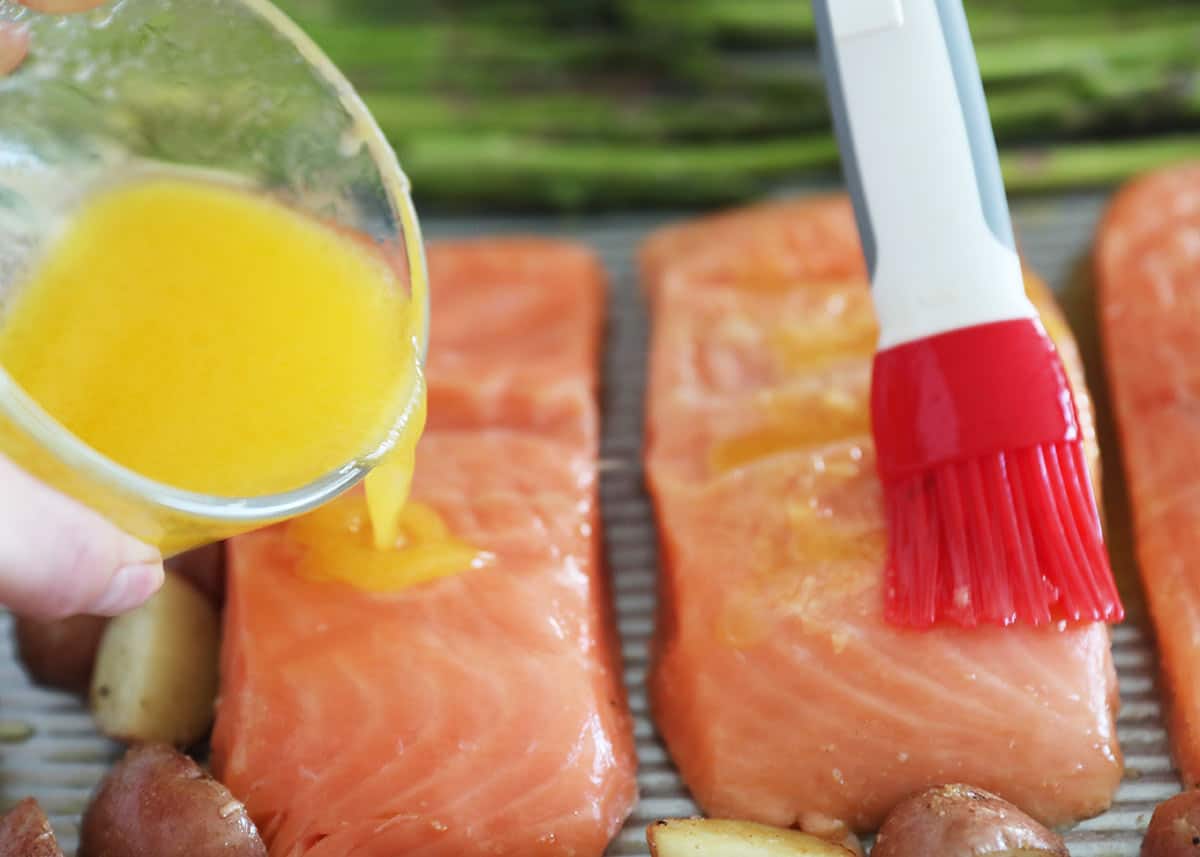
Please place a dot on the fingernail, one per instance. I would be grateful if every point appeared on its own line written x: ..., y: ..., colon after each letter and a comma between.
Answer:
x: 129, y: 587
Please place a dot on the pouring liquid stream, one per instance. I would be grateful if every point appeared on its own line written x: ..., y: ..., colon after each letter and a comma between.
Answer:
x: 217, y: 341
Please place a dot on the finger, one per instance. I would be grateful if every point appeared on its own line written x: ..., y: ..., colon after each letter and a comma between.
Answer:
x: 14, y: 44
x: 61, y: 7
x: 59, y: 558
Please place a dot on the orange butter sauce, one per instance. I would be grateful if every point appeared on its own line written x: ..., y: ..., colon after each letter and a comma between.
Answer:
x: 214, y: 340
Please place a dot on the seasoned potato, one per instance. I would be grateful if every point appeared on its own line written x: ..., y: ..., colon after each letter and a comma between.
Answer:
x: 157, y: 802
x: 960, y: 821
x: 1175, y: 828
x: 688, y: 837
x: 204, y: 568
x: 156, y: 672
x: 25, y: 832
x: 59, y: 653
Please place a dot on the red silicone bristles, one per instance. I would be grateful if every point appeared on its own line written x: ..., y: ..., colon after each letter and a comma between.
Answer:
x: 1010, y: 538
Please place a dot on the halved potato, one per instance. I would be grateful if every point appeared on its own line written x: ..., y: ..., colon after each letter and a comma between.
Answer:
x: 712, y: 837
x: 1175, y: 828
x: 204, y: 568
x: 156, y: 671
x: 961, y: 821
x: 157, y: 802
x: 61, y: 652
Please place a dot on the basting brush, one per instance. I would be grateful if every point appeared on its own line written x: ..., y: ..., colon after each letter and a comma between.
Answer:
x: 990, y: 510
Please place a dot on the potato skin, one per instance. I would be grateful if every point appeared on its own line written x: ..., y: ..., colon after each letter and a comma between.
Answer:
x: 718, y: 837
x: 961, y: 821
x: 59, y: 653
x: 157, y: 802
x: 204, y: 568
x: 156, y: 672
x: 25, y: 832
x: 1174, y: 829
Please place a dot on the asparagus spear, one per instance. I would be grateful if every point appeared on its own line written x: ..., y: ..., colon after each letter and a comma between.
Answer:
x: 780, y: 22
x: 588, y: 13
x: 762, y: 21
x: 1017, y: 113
x: 997, y: 23
x: 568, y: 176
x: 1032, y: 60
x: 597, y: 117
x: 1073, y: 54
x: 514, y: 173
x: 488, y: 57
x: 1060, y: 167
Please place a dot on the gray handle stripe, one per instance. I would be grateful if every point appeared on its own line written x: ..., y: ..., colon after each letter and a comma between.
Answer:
x: 827, y: 49
x: 973, y: 103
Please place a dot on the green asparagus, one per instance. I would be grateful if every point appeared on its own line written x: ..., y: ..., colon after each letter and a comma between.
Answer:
x: 513, y: 173
x: 576, y: 103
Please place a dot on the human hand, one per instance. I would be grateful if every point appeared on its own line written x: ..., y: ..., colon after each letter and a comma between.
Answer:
x: 57, y: 557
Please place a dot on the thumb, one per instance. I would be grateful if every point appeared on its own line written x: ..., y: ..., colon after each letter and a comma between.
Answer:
x: 59, y: 558
x: 14, y: 42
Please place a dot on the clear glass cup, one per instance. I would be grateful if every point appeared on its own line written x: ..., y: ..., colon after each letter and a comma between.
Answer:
x: 223, y: 87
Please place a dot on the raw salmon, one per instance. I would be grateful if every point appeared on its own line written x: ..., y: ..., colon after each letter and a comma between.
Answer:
x: 762, y: 247
x: 782, y: 694
x: 1147, y: 260
x: 514, y: 337
x: 481, y: 713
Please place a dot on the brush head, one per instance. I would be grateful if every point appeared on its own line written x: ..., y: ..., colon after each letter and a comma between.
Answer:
x: 991, y: 515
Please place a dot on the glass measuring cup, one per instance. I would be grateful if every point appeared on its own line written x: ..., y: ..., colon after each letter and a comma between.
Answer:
x: 227, y: 88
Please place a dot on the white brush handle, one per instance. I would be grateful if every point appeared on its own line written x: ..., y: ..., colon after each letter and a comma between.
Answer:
x: 920, y: 160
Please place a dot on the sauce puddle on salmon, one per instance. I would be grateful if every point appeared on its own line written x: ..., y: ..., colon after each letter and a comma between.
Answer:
x: 339, y: 542
x: 459, y: 695
x: 214, y: 340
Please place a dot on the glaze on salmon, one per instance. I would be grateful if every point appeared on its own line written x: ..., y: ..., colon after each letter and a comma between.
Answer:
x: 1147, y: 259
x: 782, y: 694
x: 480, y: 713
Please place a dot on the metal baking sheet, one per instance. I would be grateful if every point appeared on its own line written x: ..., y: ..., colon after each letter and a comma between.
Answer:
x: 49, y: 749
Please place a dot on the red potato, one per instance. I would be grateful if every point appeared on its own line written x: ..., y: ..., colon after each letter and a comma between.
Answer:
x: 157, y: 802
x: 59, y: 653
x: 204, y: 568
x: 25, y: 832
x: 1174, y: 828
x: 961, y: 821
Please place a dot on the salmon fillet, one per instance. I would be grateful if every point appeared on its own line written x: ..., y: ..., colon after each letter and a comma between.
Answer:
x: 514, y: 337
x: 761, y: 247
x: 1147, y: 259
x: 781, y: 692
x: 477, y: 714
